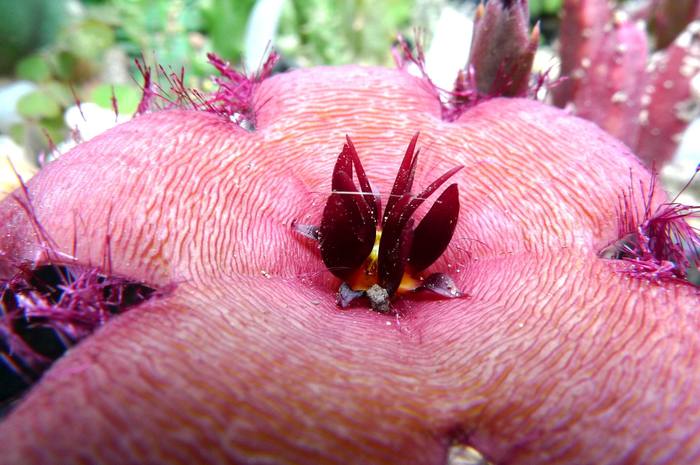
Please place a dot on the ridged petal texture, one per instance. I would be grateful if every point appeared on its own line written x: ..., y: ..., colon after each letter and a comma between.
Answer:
x: 555, y: 358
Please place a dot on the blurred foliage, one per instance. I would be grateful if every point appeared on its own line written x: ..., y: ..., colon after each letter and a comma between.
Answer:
x: 331, y: 32
x: 86, y: 48
x: 545, y: 7
x: 224, y: 24
x: 32, y: 24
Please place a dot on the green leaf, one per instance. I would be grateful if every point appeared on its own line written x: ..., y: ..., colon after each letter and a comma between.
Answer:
x: 60, y: 92
x: 33, y: 68
x: 38, y: 104
x: 90, y: 39
x: 128, y: 97
x: 551, y: 7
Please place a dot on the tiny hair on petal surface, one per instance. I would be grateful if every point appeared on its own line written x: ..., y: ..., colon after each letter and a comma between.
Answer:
x: 233, y: 99
x: 53, y: 303
x: 658, y: 244
x: 380, y: 256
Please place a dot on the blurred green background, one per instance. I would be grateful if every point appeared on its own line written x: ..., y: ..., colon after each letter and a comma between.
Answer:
x: 63, y: 50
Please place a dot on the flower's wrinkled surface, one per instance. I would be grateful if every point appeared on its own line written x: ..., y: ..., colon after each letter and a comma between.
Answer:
x: 555, y: 358
x: 373, y: 255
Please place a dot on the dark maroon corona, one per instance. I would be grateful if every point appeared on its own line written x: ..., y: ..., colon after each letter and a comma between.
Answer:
x: 378, y: 256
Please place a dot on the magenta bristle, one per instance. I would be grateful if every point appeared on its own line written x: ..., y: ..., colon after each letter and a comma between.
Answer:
x: 76, y: 135
x: 115, y: 105
x: 60, y: 296
x: 52, y: 145
x: 658, y: 244
x: 78, y: 103
x: 23, y: 199
x: 147, y: 89
x: 234, y: 98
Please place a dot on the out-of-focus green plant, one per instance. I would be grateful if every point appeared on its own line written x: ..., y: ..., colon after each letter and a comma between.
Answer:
x: 93, y: 52
x: 544, y: 7
x: 26, y: 26
x: 225, y: 23
x: 331, y: 32
x: 169, y: 32
x: 74, y: 58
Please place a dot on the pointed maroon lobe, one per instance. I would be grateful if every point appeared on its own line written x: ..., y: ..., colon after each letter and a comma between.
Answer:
x: 404, y: 178
x: 434, y: 232
x: 351, y: 218
x: 395, y: 245
x: 349, y: 222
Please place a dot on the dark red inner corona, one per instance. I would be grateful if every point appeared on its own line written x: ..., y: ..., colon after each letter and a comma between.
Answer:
x: 378, y: 256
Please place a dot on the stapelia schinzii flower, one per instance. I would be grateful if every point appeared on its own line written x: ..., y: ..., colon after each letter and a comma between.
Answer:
x: 380, y: 259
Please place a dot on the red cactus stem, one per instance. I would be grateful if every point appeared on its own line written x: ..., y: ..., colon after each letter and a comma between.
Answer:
x: 503, y: 48
x: 668, y: 104
x: 580, y: 37
x: 610, y: 92
x: 511, y: 77
x: 668, y: 18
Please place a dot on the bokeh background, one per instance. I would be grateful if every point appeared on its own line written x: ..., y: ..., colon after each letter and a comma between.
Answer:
x: 57, y: 52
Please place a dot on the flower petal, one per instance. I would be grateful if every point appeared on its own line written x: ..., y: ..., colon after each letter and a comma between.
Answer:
x: 394, y: 248
x: 346, y: 238
x: 435, y: 230
x: 404, y: 178
x: 373, y: 200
